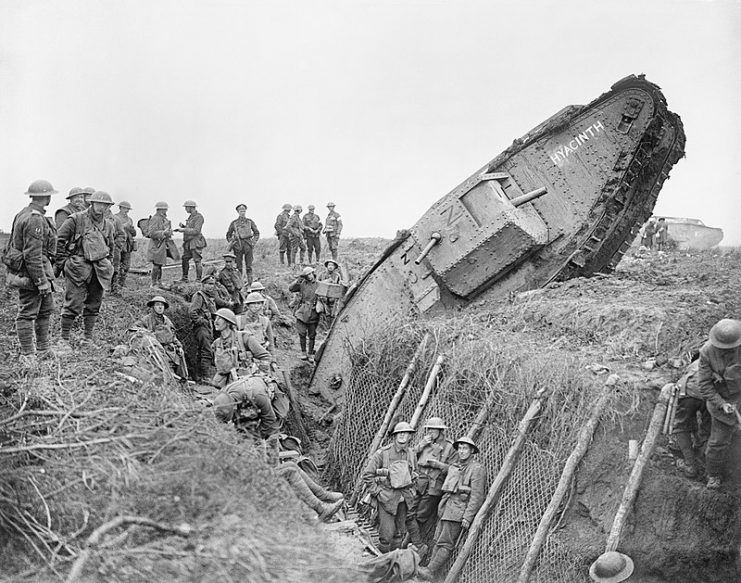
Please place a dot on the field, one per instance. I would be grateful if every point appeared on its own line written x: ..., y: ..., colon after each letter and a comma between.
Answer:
x: 82, y: 445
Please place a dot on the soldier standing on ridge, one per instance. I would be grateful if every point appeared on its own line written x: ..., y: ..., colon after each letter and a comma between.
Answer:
x: 313, y: 232
x: 295, y: 228
x: 284, y: 243
x: 332, y: 230
x: 161, y: 246
x: 242, y: 236
x: 193, y: 240
x: 435, y: 454
x: 390, y: 477
x: 464, y: 491
x: 31, y: 249
x: 76, y: 198
x: 647, y: 237
x: 85, y: 245
x: 719, y: 378
x: 125, y: 245
x: 662, y: 234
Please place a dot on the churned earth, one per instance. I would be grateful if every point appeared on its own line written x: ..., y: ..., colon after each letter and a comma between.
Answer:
x: 81, y: 445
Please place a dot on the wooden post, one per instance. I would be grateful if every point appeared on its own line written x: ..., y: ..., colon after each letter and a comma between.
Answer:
x: 431, y: 380
x: 495, y: 490
x: 634, y: 481
x: 400, y: 391
x: 585, y: 436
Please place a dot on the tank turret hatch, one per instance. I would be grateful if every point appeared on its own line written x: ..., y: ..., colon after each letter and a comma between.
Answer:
x: 479, y: 232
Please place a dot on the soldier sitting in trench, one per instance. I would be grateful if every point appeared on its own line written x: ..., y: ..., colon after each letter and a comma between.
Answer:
x: 162, y: 328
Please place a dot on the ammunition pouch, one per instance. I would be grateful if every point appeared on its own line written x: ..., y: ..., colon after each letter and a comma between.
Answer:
x: 13, y: 259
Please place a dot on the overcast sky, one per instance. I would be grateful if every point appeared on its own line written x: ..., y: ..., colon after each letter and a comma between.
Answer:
x: 379, y: 106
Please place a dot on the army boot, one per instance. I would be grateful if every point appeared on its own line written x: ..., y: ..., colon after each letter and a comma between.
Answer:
x: 199, y: 270
x: 688, y: 463
x: 321, y: 492
x: 25, y: 331
x: 89, y: 325
x: 156, y: 275
x: 304, y: 493
x: 122, y: 280
x: 41, y: 327
x: 439, y: 556
x: 282, y: 257
x: 186, y: 269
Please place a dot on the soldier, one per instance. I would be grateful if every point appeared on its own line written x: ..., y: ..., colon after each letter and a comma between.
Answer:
x: 295, y: 228
x: 269, y: 307
x: 313, y: 233
x: 661, y: 237
x: 689, y: 403
x: 29, y: 256
x: 254, y: 322
x: 88, y: 191
x: 161, y: 246
x: 76, y: 198
x: 719, y: 378
x: 647, y: 236
x: 330, y: 304
x: 234, y: 351
x: 125, y: 245
x: 284, y: 245
x: 193, y: 240
x: 307, y: 317
x: 464, y: 491
x: 163, y: 330
x: 242, y: 236
x: 390, y: 477
x: 230, y: 278
x: 202, y: 312
x: 85, y: 245
x: 435, y: 454
x: 332, y: 230
x: 248, y: 404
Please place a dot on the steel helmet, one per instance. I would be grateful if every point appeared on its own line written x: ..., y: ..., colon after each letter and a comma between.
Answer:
x: 467, y: 440
x: 307, y: 271
x: 298, y: 208
x: 611, y: 567
x: 288, y: 206
x: 254, y: 298
x: 241, y: 205
x: 402, y: 427
x: 328, y: 261
x: 256, y: 286
x: 40, y: 188
x: 188, y: 203
x: 726, y: 333
x: 228, y: 315
x: 206, y: 276
x: 229, y: 255
x: 76, y: 191
x: 100, y: 196
x: 124, y: 205
x: 89, y: 189
x: 156, y: 299
x: 224, y: 407
x: 161, y: 206
x: 435, y: 423
x: 330, y: 204
x: 311, y: 207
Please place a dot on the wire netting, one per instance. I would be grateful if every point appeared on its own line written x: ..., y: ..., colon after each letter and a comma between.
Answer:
x: 491, y: 379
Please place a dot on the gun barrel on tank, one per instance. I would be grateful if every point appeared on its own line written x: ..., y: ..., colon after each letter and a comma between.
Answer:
x: 532, y: 195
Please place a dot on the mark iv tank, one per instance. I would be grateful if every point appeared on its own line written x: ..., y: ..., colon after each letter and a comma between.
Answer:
x: 563, y: 201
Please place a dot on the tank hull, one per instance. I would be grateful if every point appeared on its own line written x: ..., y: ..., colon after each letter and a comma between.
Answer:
x: 563, y: 201
x: 692, y: 234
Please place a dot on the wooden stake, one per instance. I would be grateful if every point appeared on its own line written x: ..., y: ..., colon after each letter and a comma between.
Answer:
x: 634, y: 481
x: 431, y: 381
x: 393, y: 405
x: 495, y: 490
x: 585, y: 437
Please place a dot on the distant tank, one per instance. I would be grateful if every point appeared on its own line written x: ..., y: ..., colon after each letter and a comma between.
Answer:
x: 692, y: 233
x: 563, y: 201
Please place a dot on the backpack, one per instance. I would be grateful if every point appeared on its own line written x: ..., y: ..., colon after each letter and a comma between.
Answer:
x: 143, y: 225
x: 278, y: 399
x: 12, y: 257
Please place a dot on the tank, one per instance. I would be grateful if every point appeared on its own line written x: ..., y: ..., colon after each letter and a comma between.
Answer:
x: 692, y: 234
x: 563, y: 201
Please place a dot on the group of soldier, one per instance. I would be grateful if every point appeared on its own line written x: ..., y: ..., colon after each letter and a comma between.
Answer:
x: 655, y: 234
x: 298, y: 235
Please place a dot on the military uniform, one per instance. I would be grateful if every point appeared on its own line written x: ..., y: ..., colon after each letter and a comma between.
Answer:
x: 202, y: 311
x: 295, y: 228
x: 307, y: 317
x: 232, y: 282
x: 690, y: 402
x: 234, y: 353
x: 433, y: 461
x: 163, y: 330
x: 259, y: 327
x: 253, y: 406
x: 647, y: 238
x: 662, y: 235
x: 313, y: 233
x: 242, y: 236
x: 396, y: 506
x: 125, y: 246
x: 284, y: 243
x: 193, y: 243
x: 161, y: 246
x: 332, y: 230
x: 85, y: 245
x: 34, y: 237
